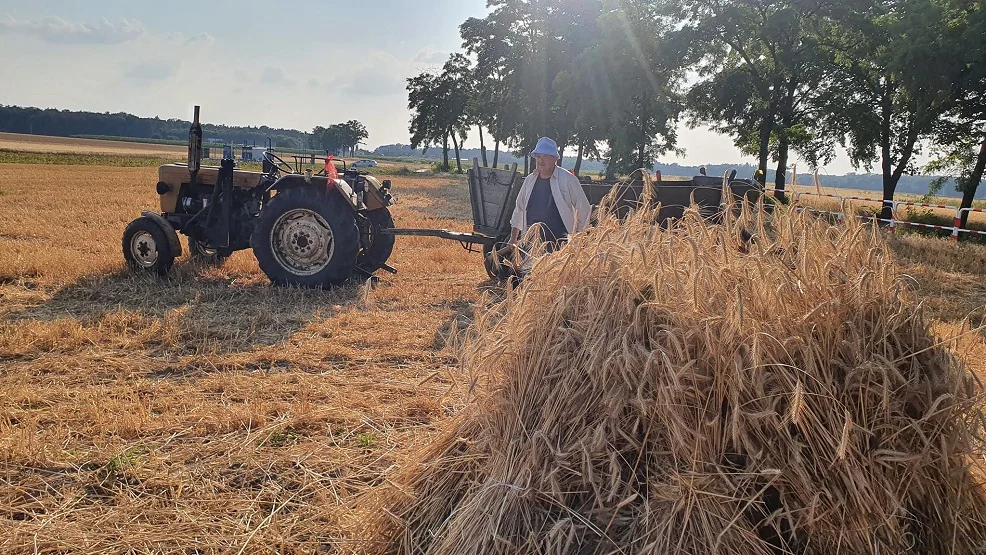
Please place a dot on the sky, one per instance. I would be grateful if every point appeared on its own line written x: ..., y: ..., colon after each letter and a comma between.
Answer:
x: 301, y: 64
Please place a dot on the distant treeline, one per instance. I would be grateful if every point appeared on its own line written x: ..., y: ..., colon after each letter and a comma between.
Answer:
x: 66, y: 123
x: 910, y: 184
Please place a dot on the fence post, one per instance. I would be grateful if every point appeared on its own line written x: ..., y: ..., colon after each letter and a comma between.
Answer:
x: 956, y: 224
x: 893, y: 214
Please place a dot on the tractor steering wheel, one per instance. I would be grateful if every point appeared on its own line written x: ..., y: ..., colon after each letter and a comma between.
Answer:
x: 277, y: 162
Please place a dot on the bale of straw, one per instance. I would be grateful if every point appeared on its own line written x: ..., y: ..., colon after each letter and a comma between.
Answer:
x: 687, y: 391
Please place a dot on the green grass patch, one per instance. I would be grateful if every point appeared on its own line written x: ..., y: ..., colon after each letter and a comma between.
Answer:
x: 113, y: 160
x: 80, y: 159
x: 368, y: 441
x: 127, y: 459
x: 281, y: 439
x: 926, y: 216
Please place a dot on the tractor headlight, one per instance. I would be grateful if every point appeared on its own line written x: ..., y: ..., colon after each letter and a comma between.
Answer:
x: 163, y: 188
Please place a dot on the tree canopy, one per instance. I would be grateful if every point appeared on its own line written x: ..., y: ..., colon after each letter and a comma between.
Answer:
x: 887, y: 80
x: 339, y: 138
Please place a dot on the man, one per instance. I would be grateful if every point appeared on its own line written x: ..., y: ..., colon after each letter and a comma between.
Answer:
x: 550, y: 196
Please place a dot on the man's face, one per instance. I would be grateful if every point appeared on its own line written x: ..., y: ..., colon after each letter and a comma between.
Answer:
x: 545, y: 164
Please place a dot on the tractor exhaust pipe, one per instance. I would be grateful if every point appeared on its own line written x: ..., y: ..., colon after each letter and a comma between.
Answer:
x: 194, y: 147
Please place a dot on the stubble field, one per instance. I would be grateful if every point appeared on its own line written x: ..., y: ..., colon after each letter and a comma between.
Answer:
x: 210, y: 410
x: 213, y: 412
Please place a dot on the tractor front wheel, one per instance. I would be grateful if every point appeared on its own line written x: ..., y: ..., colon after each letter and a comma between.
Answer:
x: 146, y: 247
x: 306, y: 237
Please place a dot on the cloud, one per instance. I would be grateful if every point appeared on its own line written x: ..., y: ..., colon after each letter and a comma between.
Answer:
x: 313, y: 83
x: 377, y: 74
x: 57, y: 30
x: 151, y: 71
x: 272, y: 75
x: 201, y: 39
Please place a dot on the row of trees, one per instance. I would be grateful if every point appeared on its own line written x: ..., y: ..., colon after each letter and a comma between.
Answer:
x: 340, y: 138
x: 67, y: 123
x: 886, y: 80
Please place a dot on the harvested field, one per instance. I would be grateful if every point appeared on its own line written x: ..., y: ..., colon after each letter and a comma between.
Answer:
x: 44, y: 143
x: 43, y: 149
x: 214, y: 412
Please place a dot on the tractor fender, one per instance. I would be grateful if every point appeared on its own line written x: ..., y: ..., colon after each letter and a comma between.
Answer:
x: 338, y: 185
x: 168, y: 230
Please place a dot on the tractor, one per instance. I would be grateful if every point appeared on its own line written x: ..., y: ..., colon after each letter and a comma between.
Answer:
x: 306, y: 229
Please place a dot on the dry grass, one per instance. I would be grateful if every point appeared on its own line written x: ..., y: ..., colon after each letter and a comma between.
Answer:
x: 689, y: 391
x: 209, y: 411
x: 213, y: 412
x: 872, y: 206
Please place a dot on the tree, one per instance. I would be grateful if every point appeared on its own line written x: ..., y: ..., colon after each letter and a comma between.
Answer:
x: 888, y: 88
x: 426, y: 126
x: 353, y: 133
x: 759, y: 70
x: 637, y: 90
x: 456, y: 84
x: 960, y: 136
x: 521, y: 47
x: 588, y: 120
x: 333, y: 138
x: 488, y: 40
x: 440, y: 107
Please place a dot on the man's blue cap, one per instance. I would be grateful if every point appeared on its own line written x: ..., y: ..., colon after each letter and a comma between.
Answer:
x: 546, y: 146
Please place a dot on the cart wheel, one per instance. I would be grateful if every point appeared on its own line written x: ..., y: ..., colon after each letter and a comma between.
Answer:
x: 497, y: 267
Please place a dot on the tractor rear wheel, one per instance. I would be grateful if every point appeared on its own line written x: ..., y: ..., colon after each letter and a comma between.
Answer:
x: 376, y: 246
x: 146, y: 247
x: 306, y: 237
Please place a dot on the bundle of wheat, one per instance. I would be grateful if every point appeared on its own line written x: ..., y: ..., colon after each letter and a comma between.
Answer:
x: 685, y: 391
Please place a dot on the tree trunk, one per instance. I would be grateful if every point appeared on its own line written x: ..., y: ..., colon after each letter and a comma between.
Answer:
x: 641, y: 147
x: 766, y: 128
x: 482, y: 146
x: 561, y: 154
x: 784, y: 143
x: 889, y: 186
x: 969, y: 191
x: 527, y: 161
x: 780, y: 179
x: 445, y: 167
x: 496, y: 151
x: 458, y: 162
x: 578, y: 160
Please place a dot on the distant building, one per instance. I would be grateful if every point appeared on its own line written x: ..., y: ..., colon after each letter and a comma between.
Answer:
x: 252, y: 153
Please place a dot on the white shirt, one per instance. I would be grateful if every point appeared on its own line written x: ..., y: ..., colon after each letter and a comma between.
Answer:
x: 570, y: 199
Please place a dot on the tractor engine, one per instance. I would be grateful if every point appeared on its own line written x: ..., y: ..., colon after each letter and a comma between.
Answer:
x: 191, y: 211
